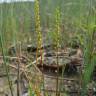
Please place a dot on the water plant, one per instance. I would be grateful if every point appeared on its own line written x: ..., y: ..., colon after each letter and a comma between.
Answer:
x: 38, y: 27
x: 38, y: 40
x: 57, y: 44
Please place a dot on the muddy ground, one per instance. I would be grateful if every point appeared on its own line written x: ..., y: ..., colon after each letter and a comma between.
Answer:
x: 70, y: 63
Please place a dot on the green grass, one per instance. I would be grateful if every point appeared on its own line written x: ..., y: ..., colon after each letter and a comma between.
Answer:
x: 3, y: 50
x: 77, y: 18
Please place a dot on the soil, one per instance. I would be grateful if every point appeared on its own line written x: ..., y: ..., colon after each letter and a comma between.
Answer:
x: 69, y: 82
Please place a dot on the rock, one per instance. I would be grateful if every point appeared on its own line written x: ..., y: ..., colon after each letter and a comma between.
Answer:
x: 25, y: 94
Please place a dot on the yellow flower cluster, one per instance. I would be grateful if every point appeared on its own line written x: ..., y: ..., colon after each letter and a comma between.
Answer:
x: 37, y: 23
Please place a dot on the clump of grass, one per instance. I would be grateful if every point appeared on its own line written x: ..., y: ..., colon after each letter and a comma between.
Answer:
x: 5, y: 65
x: 89, y: 56
x: 3, y: 50
x: 89, y: 59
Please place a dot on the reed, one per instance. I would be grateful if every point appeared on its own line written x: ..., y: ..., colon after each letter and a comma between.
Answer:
x: 57, y: 43
x: 89, y: 56
x: 3, y: 50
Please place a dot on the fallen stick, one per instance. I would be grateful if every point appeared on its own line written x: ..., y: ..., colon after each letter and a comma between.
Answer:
x: 60, y: 78
x: 9, y: 57
x: 22, y: 69
x: 34, y: 62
